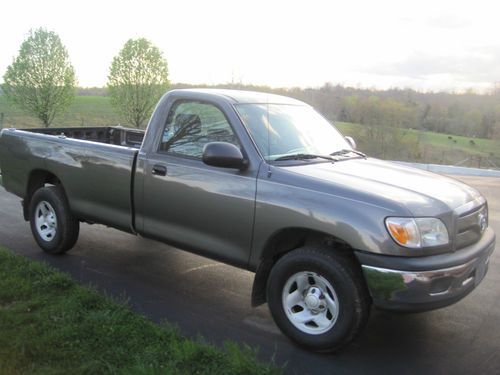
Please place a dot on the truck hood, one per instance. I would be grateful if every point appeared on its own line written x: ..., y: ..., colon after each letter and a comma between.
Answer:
x: 421, y: 192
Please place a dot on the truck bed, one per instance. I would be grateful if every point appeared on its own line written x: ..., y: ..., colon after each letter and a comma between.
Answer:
x: 95, y: 165
x: 115, y: 135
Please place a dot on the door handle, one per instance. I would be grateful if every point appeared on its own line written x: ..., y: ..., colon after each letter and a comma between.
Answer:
x: 159, y: 170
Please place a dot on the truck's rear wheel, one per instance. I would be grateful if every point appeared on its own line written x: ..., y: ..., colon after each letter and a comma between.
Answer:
x: 318, y: 298
x: 54, y: 227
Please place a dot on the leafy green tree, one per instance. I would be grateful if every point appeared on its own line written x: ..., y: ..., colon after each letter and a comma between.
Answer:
x: 41, y: 80
x: 138, y: 76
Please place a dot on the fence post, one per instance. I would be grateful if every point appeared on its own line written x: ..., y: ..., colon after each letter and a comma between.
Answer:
x: 1, y: 120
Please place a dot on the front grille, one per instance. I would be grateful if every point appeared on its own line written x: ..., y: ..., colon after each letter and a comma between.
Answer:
x: 469, y: 229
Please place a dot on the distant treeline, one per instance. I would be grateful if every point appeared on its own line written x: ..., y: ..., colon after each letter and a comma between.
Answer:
x: 468, y: 114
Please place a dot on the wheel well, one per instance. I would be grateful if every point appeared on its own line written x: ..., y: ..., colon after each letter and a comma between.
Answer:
x: 283, y: 242
x: 36, y: 180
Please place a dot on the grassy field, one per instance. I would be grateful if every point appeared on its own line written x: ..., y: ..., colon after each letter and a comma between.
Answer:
x: 438, y: 148
x: 51, y: 325
x: 85, y: 111
x: 426, y: 147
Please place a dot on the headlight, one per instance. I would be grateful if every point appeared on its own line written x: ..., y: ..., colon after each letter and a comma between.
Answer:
x: 418, y: 232
x: 483, y: 219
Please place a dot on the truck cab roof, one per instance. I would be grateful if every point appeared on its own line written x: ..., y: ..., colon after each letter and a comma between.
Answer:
x: 240, y: 97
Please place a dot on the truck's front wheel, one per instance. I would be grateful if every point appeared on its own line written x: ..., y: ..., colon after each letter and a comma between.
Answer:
x: 318, y: 298
x: 54, y: 227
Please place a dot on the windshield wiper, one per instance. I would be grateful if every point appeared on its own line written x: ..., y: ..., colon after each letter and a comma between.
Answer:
x: 304, y: 157
x: 346, y: 151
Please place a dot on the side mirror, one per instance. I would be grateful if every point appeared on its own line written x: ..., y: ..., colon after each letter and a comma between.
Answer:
x: 351, y: 142
x: 224, y: 155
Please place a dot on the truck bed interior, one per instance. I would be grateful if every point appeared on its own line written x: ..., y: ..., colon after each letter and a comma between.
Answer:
x: 115, y: 135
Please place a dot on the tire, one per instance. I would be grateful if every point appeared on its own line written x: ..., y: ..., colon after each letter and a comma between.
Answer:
x: 318, y: 298
x: 54, y: 227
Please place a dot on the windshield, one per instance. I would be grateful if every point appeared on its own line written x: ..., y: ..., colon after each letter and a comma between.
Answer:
x: 281, y: 129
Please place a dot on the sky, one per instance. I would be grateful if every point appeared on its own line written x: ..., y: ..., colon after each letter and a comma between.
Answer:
x: 437, y: 45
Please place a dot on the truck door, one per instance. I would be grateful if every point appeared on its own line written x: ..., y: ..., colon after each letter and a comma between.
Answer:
x: 189, y: 204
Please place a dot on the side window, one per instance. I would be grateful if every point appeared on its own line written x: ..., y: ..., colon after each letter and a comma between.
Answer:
x: 191, y: 125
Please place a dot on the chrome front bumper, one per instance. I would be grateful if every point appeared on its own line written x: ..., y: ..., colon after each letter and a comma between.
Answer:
x: 426, y: 290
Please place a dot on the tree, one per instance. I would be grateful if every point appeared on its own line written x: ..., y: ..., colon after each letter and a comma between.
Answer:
x: 41, y: 80
x: 138, y: 76
x: 487, y: 127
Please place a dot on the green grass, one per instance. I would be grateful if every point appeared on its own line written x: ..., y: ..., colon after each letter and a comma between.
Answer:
x: 481, y: 146
x: 51, y: 325
x: 88, y: 111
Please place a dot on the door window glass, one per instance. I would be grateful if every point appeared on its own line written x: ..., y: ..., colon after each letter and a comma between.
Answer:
x: 191, y: 125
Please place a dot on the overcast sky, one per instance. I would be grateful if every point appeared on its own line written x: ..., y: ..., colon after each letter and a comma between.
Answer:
x: 426, y: 45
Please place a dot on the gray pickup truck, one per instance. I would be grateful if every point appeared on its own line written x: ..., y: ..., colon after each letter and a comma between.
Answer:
x: 265, y: 183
